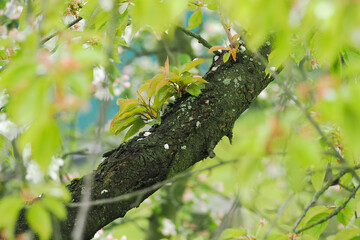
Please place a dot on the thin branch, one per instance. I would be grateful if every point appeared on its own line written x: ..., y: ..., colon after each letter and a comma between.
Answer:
x: 317, y: 195
x: 334, y: 213
x: 148, y: 189
x: 57, y: 32
x: 78, y: 152
x: 200, y: 39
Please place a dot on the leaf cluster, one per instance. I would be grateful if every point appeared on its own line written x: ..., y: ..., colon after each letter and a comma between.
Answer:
x: 147, y: 107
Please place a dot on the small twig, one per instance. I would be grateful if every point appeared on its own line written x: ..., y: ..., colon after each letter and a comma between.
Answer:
x: 78, y: 152
x: 56, y: 33
x: 200, y: 39
x: 334, y: 213
x: 317, y: 195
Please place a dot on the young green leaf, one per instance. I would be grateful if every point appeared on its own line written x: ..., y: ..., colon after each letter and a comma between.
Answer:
x: 39, y: 219
x: 192, y: 64
x: 226, y: 57
x: 126, y: 104
x: 118, y: 126
x: 153, y: 86
x: 194, y: 89
x: 137, y: 125
x: 195, y: 19
x: 215, y: 48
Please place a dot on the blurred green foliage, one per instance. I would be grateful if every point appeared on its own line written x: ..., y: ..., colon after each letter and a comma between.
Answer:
x: 301, y: 131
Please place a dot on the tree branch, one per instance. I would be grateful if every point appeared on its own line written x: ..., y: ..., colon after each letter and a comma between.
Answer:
x: 334, y: 213
x: 191, y: 127
x: 43, y: 41
x: 200, y: 39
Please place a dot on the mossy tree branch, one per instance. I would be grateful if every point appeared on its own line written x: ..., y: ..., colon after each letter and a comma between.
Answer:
x: 191, y: 127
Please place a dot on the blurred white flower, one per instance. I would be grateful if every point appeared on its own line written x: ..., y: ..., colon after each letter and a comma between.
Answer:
x: 103, y: 94
x: 123, y: 237
x: 33, y: 172
x: 314, y: 64
x: 98, y: 75
x: 69, y: 18
x: 54, y: 167
x: 168, y: 227
x: 7, y: 127
x: 107, y: 5
x: 99, y: 233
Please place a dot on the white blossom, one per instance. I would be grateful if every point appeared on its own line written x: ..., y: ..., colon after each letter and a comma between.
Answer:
x: 54, y: 167
x: 107, y: 5
x: 98, y: 75
x: 166, y: 146
x: 8, y: 128
x: 168, y: 227
x: 103, y: 94
x: 242, y: 49
x: 33, y: 172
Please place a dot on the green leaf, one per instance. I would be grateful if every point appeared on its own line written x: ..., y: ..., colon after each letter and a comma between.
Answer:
x: 45, y: 139
x: 232, y: 233
x: 153, y: 86
x: 192, y: 64
x: 120, y: 40
x: 226, y: 57
x: 117, y: 126
x: 10, y: 207
x: 39, y: 220
x: 195, y: 19
x: 212, y: 4
x: 194, y: 89
x: 317, y: 179
x: 314, y: 215
x: 347, y: 234
x: 345, y: 215
x: 137, y: 125
x: 127, y: 105
x: 55, y: 206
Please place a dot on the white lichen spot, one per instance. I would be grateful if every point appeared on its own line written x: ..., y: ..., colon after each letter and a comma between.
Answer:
x: 242, y: 49
x: 216, y: 57
x: 147, y: 134
x: 104, y: 191
x: 227, y: 81
x: 166, y: 146
x: 213, y: 69
x: 183, y: 147
x: 197, y: 124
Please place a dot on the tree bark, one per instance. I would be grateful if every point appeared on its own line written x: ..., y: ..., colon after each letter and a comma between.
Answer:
x: 191, y: 128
